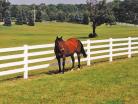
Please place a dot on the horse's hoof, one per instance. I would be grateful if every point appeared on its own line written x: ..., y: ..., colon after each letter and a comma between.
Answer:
x: 61, y: 72
x: 78, y: 69
x: 72, y: 70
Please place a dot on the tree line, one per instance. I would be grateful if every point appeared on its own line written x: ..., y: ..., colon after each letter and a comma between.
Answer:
x: 94, y: 11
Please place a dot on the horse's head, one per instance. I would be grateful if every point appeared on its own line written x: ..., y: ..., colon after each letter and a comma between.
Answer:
x: 58, y: 40
x: 58, y: 45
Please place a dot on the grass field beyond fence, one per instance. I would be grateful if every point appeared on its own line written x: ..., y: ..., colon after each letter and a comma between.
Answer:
x: 44, y: 33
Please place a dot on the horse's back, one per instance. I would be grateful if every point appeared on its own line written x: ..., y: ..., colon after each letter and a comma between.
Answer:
x: 72, y: 44
x: 72, y: 40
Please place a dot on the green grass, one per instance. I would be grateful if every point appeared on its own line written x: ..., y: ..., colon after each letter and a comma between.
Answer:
x: 44, y: 33
x: 104, y: 83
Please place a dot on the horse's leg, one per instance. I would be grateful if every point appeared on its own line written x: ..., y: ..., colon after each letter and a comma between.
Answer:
x: 59, y: 64
x: 63, y: 63
x: 78, y: 55
x: 73, y: 61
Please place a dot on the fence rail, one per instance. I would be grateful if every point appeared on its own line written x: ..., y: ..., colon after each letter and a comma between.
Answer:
x: 108, y: 48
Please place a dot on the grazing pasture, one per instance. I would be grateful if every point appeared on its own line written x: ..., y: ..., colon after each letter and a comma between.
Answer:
x: 102, y: 83
x: 44, y: 33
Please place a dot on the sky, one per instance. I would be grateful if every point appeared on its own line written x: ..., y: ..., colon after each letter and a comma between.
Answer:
x: 48, y: 1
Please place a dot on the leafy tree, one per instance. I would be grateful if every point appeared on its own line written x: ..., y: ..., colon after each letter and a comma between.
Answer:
x: 1, y: 10
x: 5, y: 13
x: 14, y: 10
x: 45, y: 16
x: 1, y: 17
x: 19, y: 18
x: 85, y: 19
x: 99, y: 14
x: 61, y: 16
x: 116, y: 9
x: 30, y: 19
x: 38, y: 16
x: 7, y: 19
x: 71, y: 17
x: 129, y: 10
x: 24, y: 17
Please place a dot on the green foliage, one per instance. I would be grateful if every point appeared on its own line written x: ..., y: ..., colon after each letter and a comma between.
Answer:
x: 126, y: 11
x: 60, y: 12
x: 61, y: 16
x: 85, y: 19
x: 5, y: 12
x: 14, y: 10
x: 1, y: 18
x: 19, y: 18
x: 24, y: 16
x: 38, y: 16
x: 100, y: 13
x: 118, y: 10
x: 7, y: 18
x: 30, y: 19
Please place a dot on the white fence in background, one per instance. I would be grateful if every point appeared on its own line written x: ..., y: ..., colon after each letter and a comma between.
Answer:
x: 127, y: 24
x: 108, y: 48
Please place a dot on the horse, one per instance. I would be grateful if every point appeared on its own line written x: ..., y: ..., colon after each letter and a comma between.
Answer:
x: 68, y: 48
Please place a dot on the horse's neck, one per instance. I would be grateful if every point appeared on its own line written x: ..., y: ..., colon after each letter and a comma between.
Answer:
x: 63, y: 42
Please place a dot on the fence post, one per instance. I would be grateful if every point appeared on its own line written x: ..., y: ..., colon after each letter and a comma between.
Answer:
x: 25, y: 61
x: 129, y: 47
x: 88, y: 52
x: 111, y: 50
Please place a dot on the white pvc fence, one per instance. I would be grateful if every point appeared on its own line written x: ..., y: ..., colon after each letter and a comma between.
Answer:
x: 108, y: 48
x: 127, y: 24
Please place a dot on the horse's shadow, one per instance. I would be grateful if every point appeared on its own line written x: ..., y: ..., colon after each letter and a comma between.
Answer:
x: 83, y: 37
x: 51, y: 72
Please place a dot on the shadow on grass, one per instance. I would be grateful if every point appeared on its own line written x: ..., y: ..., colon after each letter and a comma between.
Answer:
x: 83, y: 37
x: 56, y: 71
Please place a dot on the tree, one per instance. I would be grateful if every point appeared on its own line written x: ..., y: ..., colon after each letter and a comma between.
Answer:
x: 5, y: 12
x: 1, y: 11
x: 116, y: 9
x: 99, y: 14
x: 38, y: 16
x: 129, y: 10
x: 1, y: 17
x: 61, y: 16
x: 14, y: 10
x: 24, y: 16
x: 19, y: 18
x: 7, y: 19
x: 85, y: 19
x: 30, y: 19
x: 110, y: 18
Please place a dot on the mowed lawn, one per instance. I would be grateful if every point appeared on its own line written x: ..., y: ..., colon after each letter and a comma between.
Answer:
x: 44, y: 33
x: 103, y: 83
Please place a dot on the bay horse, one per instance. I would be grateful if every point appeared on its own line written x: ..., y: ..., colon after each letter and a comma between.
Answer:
x: 67, y: 48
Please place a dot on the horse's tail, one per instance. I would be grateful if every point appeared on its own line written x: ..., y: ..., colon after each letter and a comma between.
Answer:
x: 82, y: 50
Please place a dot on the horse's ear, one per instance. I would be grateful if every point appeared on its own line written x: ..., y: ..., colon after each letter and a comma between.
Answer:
x: 61, y: 37
x: 57, y: 37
